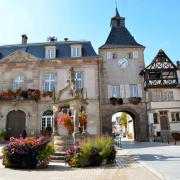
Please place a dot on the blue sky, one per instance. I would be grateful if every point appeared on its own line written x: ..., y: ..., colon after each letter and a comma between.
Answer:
x: 154, y: 23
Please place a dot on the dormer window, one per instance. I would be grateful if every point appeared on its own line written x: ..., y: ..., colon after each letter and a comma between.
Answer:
x: 50, y: 52
x: 76, y: 51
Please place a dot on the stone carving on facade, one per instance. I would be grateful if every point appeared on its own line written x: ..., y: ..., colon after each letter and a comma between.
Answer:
x: 71, y: 87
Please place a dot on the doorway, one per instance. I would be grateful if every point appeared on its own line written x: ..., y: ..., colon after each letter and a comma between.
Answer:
x: 16, y: 121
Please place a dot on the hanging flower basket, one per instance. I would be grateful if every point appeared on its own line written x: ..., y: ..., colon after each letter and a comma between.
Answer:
x: 67, y: 122
x: 116, y: 101
x: 82, y: 121
x: 135, y: 100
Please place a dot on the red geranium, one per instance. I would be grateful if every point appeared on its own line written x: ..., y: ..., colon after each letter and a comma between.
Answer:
x: 67, y: 122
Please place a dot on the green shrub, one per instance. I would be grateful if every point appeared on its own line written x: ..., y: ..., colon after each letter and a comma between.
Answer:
x: 92, y: 152
x: 4, y: 135
x: 44, y: 154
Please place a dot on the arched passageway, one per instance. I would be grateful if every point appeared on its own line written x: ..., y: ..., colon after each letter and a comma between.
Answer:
x: 123, y: 125
x: 140, y: 124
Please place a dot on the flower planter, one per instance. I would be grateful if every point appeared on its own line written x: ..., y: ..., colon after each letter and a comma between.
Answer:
x: 116, y: 101
x: 135, y: 100
x: 28, y: 153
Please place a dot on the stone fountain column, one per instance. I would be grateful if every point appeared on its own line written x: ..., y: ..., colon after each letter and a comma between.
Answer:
x: 55, y: 113
x: 76, y: 106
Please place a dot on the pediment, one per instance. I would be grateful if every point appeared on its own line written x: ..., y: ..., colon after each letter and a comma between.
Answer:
x: 19, y: 57
x: 65, y: 93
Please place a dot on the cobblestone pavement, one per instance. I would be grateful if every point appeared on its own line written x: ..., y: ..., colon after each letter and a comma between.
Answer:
x: 124, y: 168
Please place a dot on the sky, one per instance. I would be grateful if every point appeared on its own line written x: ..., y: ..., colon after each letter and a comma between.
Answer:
x: 154, y: 23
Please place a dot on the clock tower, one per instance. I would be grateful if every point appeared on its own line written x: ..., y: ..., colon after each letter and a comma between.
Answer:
x: 123, y: 60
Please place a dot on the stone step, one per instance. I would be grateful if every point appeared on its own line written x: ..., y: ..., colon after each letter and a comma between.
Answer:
x: 57, y: 161
x: 57, y: 157
x: 59, y: 153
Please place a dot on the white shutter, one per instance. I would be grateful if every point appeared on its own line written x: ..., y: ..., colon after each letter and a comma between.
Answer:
x: 135, y: 54
x: 139, y: 90
x: 109, y: 91
x: 127, y: 91
x: 122, y: 92
x: 109, y: 55
x: 150, y: 118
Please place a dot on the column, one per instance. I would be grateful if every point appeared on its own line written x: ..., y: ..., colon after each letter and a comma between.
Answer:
x: 55, y: 114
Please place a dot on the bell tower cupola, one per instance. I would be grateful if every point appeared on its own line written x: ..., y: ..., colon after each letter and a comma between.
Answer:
x: 117, y: 20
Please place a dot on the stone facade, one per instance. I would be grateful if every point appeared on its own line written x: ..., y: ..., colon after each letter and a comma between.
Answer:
x: 123, y: 60
x: 33, y: 69
x: 114, y: 75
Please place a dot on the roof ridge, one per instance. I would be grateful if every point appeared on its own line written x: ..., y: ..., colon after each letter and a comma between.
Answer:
x: 45, y: 43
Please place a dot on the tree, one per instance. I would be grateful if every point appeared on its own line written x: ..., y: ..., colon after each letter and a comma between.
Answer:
x: 123, y: 119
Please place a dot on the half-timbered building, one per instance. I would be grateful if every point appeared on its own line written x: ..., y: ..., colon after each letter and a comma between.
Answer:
x: 162, y: 95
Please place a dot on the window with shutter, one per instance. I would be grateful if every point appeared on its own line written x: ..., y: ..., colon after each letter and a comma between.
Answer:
x: 116, y: 91
x: 109, y: 55
x: 170, y: 96
x: 122, y: 92
x: 127, y: 92
x: 139, y: 90
x: 109, y: 91
x: 135, y: 54
x: 133, y: 90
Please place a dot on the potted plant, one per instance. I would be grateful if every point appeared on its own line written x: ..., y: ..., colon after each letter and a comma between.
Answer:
x: 24, y: 94
x: 113, y: 100
x: 120, y: 101
x: 47, y: 93
x: 27, y: 153
x: 135, y: 100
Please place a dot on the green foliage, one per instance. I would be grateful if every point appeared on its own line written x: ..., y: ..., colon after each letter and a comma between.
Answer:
x: 4, y: 135
x: 46, y: 152
x: 123, y: 119
x: 92, y: 152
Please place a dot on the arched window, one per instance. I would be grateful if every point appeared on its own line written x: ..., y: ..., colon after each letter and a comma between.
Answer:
x: 47, y: 119
x: 18, y: 82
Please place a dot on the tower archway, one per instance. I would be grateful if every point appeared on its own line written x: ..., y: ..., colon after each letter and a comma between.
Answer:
x: 139, y: 124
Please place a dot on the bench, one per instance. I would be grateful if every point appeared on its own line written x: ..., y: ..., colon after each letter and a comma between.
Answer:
x: 176, y: 137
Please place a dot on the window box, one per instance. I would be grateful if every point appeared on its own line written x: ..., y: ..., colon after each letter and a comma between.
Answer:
x: 116, y: 101
x: 135, y: 100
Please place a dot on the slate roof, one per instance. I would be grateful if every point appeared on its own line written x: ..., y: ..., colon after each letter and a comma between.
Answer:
x: 119, y: 35
x: 63, y: 49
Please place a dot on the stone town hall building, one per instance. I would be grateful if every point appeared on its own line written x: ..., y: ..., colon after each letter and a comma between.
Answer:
x: 38, y: 69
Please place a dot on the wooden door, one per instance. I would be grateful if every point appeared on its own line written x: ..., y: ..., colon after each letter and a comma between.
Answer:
x: 16, y: 121
x: 164, y: 123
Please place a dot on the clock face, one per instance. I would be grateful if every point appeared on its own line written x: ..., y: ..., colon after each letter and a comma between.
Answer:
x: 123, y: 63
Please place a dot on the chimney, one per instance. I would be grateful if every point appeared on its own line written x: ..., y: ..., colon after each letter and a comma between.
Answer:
x: 24, y: 39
